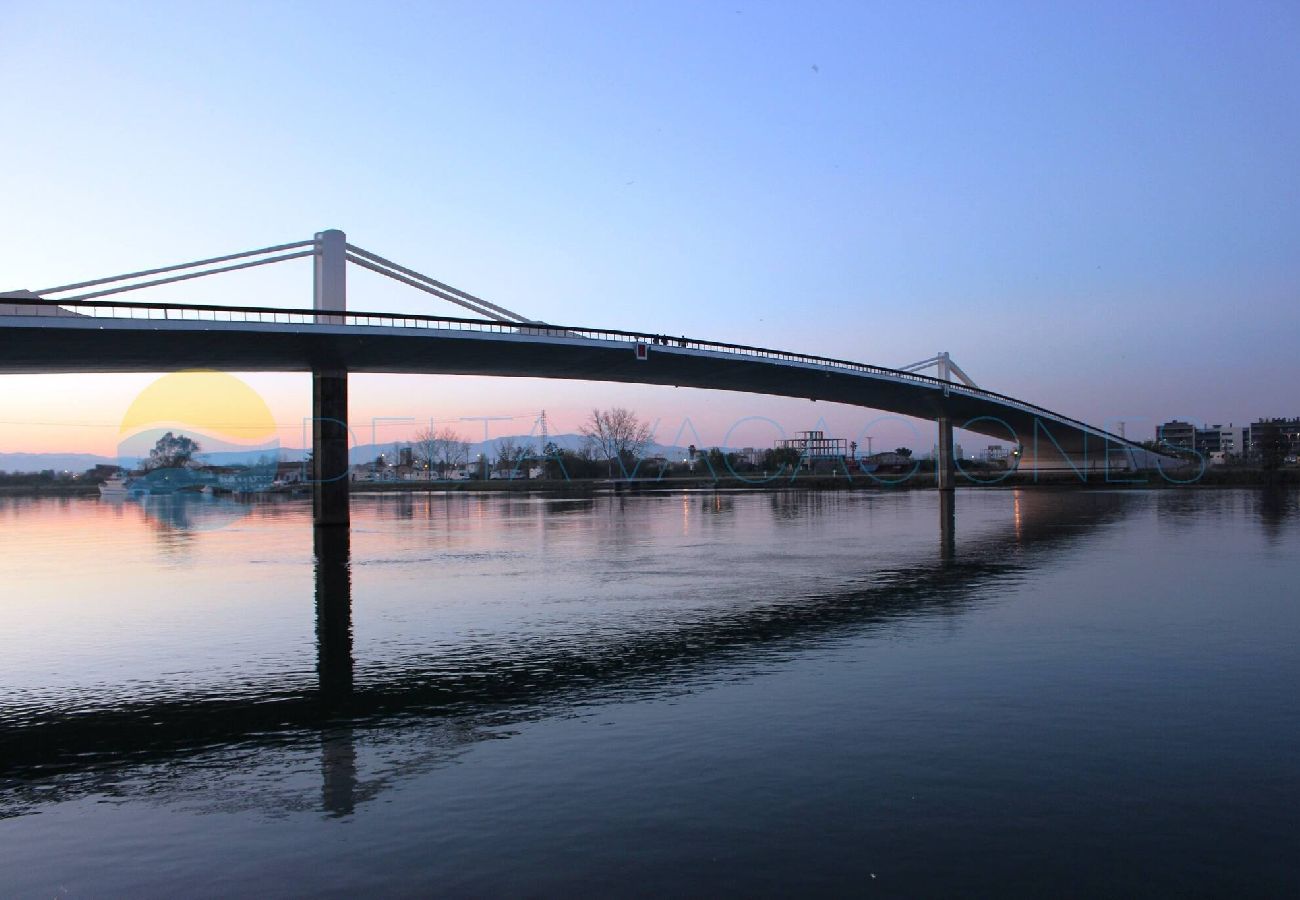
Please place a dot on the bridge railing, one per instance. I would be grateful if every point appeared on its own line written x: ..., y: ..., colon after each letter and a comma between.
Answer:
x: 268, y: 315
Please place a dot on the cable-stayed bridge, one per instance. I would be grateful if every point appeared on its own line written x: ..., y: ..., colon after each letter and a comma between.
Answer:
x: 86, y: 327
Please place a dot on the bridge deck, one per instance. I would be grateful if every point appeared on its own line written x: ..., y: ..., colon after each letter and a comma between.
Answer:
x: 119, y: 337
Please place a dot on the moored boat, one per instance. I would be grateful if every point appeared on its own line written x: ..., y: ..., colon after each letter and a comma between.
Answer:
x: 116, y: 486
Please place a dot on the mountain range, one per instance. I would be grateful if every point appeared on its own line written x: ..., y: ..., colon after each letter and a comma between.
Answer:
x: 361, y: 453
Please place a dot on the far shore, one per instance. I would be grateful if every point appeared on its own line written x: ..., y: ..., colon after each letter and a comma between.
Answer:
x: 1217, y: 478
x: 1211, y: 478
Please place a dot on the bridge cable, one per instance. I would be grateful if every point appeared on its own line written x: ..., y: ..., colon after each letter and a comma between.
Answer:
x: 356, y: 251
x: 190, y: 265
x: 186, y: 277
x: 428, y: 290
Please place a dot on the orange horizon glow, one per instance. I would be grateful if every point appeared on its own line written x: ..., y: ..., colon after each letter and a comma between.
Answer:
x: 92, y: 413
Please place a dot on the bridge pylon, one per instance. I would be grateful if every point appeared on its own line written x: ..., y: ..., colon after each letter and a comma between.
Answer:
x: 945, y: 470
x: 330, y: 253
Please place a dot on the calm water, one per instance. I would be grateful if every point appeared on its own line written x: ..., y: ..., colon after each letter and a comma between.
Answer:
x: 1049, y: 692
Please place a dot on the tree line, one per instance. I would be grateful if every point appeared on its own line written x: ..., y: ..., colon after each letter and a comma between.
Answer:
x: 612, y: 439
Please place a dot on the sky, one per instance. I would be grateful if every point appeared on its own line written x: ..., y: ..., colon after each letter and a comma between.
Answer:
x: 1093, y: 207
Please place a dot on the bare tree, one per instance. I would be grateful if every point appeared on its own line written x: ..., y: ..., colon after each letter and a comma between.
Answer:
x: 616, y: 434
x: 425, y: 447
x: 511, y: 455
x: 441, y: 449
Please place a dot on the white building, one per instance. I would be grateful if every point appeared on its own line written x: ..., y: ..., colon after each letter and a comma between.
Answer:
x: 1222, y: 442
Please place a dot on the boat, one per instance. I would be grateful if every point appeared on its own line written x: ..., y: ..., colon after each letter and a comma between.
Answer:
x: 117, y: 486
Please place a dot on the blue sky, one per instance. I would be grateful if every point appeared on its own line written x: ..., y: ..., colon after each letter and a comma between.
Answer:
x: 1092, y: 206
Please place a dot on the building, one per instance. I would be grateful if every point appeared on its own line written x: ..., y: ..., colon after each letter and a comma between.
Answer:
x: 815, y: 446
x: 1260, y: 429
x: 1208, y: 441
x: 1224, y: 443
x: 289, y: 472
x: 890, y: 461
x: 1221, y: 441
x: 1177, y: 435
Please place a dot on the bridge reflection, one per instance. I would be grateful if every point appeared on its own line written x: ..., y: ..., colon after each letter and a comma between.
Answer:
x: 417, y: 689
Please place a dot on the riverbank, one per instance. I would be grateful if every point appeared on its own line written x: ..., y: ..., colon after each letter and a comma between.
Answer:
x: 1234, y: 477
x: 50, y: 489
x: 1211, y: 478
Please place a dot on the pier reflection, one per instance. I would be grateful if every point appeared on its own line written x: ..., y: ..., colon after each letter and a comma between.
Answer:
x: 332, y: 546
x: 1274, y: 505
x: 947, y: 526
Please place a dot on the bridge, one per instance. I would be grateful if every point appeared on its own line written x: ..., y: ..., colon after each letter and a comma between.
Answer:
x: 74, y: 328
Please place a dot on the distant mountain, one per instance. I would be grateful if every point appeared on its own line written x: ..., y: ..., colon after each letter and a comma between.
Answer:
x: 362, y: 453
x: 80, y: 462
x: 59, y: 462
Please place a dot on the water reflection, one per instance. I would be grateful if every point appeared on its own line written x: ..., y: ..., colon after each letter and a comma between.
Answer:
x: 1274, y: 505
x: 549, y: 673
x: 567, y: 506
x: 188, y: 512
x: 948, y: 526
x: 333, y: 566
x: 799, y: 504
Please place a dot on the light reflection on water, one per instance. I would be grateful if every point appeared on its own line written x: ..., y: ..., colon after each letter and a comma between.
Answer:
x: 751, y: 673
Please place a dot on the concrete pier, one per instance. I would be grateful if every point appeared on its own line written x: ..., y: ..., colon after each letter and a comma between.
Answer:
x: 945, y: 468
x: 329, y: 389
x: 329, y: 445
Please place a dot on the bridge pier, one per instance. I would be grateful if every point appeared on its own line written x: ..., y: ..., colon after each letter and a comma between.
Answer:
x: 329, y: 447
x: 329, y: 388
x: 945, y: 469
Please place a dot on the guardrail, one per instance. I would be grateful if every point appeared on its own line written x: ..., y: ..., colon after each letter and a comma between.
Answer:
x: 269, y: 315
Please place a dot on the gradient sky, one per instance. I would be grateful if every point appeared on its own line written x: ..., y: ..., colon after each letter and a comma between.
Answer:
x: 1094, y: 207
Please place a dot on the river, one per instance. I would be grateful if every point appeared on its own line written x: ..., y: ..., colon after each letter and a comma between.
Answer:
x: 1049, y: 691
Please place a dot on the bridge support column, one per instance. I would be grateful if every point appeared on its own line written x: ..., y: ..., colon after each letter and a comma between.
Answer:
x: 329, y: 447
x: 945, y: 470
x: 329, y: 388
